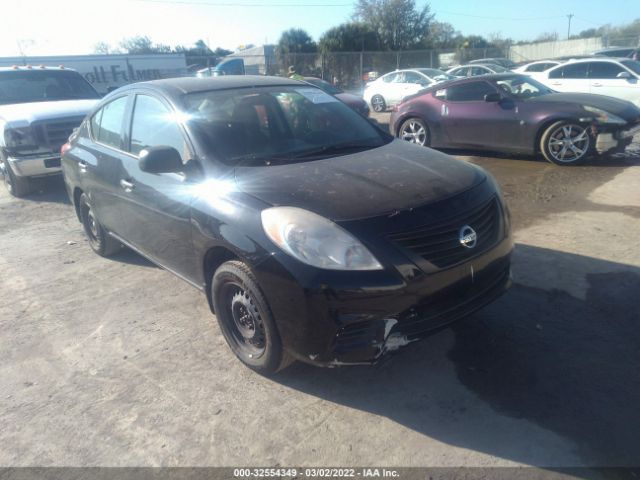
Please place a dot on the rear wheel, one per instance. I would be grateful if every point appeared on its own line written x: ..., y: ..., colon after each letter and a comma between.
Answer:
x: 378, y: 104
x: 16, y: 186
x: 99, y: 240
x: 245, y: 318
x: 415, y: 131
x: 566, y: 143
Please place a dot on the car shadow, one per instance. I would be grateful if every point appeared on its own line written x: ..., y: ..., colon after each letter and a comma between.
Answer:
x: 126, y: 255
x: 49, y: 189
x: 565, y: 363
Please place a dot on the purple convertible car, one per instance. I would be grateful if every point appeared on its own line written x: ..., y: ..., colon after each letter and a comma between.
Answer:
x: 514, y: 113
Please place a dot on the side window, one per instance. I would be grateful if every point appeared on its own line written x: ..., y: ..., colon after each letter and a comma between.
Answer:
x: 538, y: 67
x: 469, y: 92
x: 460, y: 72
x: 604, y: 70
x: 389, y: 78
x: 106, y: 124
x: 573, y: 70
x: 475, y: 71
x: 413, y: 77
x: 153, y: 125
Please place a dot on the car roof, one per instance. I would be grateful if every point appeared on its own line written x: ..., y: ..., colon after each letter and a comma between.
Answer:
x: 184, y: 85
x: 491, y: 76
x: 598, y: 59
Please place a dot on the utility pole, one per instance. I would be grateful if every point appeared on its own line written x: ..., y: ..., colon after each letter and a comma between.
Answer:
x: 569, y: 28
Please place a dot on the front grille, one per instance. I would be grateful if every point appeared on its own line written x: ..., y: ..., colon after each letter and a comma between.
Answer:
x: 439, y: 243
x: 356, y: 336
x: 55, y: 133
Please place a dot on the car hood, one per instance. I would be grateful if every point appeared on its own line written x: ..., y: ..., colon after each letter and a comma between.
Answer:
x: 387, y: 179
x: 622, y: 108
x: 23, y: 114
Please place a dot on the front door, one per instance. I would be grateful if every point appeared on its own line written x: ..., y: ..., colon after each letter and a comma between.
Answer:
x: 158, y: 205
x: 470, y: 121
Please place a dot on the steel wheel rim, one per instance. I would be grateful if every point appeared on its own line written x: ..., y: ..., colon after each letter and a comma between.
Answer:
x: 568, y: 143
x: 91, y: 224
x: 245, y: 323
x: 378, y: 103
x: 414, y: 132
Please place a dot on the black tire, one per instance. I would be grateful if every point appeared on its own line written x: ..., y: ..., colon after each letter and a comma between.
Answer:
x: 566, y: 143
x: 414, y: 130
x: 16, y: 186
x: 378, y: 104
x: 99, y: 240
x: 245, y: 319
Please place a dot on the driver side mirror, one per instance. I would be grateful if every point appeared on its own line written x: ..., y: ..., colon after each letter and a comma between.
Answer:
x: 492, y: 97
x: 160, y: 159
x: 625, y: 75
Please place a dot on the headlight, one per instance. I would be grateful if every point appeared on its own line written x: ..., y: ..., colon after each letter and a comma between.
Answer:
x: 603, y: 116
x: 316, y: 241
x: 19, y: 138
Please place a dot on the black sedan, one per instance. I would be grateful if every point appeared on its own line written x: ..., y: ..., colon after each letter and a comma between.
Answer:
x: 354, y: 101
x: 514, y: 113
x: 314, y: 235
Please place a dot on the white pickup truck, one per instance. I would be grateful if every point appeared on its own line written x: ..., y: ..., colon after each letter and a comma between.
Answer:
x: 39, y: 108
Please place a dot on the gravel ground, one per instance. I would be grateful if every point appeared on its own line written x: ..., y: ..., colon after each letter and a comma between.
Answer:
x: 118, y: 363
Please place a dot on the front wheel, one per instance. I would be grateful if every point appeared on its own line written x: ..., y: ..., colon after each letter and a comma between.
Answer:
x: 566, y: 143
x: 378, y: 104
x: 245, y: 318
x: 16, y: 186
x: 415, y: 131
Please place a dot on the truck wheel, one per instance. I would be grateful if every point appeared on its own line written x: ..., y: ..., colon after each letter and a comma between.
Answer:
x: 17, y: 186
x: 566, y: 143
x: 99, y: 240
x: 246, y: 320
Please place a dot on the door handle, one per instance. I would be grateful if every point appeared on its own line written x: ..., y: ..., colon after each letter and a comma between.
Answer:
x: 128, y: 186
x: 82, y: 166
x: 444, y: 110
x: 556, y: 83
x: 596, y: 84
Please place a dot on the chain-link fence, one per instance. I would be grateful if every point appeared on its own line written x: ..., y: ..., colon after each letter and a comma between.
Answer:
x: 351, y: 70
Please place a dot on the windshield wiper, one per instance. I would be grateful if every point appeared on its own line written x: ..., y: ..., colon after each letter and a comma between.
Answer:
x: 333, y: 149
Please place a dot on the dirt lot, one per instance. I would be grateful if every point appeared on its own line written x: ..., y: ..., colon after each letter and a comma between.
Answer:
x: 116, y: 362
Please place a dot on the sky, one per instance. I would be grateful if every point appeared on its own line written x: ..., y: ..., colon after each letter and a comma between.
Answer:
x: 73, y: 27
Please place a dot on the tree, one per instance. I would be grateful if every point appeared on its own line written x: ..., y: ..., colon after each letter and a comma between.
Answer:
x: 349, y: 37
x: 222, y: 52
x: 143, y: 45
x: 442, y: 35
x: 399, y: 24
x: 296, y: 48
x: 102, y: 48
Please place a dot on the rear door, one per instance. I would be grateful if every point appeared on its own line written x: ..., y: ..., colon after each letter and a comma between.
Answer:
x: 571, y: 77
x: 469, y: 121
x: 157, y: 206
x: 100, y: 164
x: 603, y: 80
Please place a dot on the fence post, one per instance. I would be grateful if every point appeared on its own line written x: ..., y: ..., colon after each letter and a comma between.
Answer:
x: 397, y: 60
x: 361, y: 72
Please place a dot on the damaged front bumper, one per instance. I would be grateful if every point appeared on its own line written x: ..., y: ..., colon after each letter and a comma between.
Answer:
x: 612, y: 140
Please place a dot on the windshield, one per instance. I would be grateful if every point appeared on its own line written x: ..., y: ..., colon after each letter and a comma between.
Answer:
x: 523, y: 87
x: 324, y: 85
x: 23, y: 86
x: 436, y: 74
x: 632, y: 65
x: 278, y: 124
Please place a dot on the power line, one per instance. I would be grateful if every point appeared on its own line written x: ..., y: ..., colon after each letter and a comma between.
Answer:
x: 497, y: 18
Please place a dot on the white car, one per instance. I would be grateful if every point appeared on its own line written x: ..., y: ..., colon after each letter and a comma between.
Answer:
x: 536, y: 67
x: 475, y: 69
x: 392, y: 88
x: 614, y: 77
